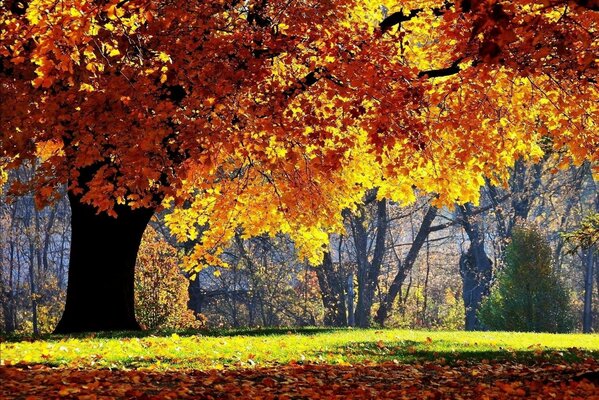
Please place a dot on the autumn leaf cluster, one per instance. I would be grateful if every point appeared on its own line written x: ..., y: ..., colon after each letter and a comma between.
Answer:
x: 267, y: 117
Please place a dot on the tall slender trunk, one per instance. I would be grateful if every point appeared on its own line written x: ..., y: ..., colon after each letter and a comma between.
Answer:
x: 587, y: 314
x: 33, y: 288
x: 365, y: 291
x: 101, y: 268
x: 351, y: 319
x: 61, y: 261
x: 425, y: 289
x: 406, y: 266
x: 15, y: 278
x: 47, y: 239
x: 589, y: 259
x: 8, y: 305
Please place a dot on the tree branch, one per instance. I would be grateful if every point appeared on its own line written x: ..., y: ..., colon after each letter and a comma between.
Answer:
x: 592, y: 5
x: 479, y: 210
x: 311, y: 79
x: 394, y: 19
x: 436, y: 73
x: 398, y: 17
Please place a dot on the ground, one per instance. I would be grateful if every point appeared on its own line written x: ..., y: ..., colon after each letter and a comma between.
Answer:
x: 302, y: 364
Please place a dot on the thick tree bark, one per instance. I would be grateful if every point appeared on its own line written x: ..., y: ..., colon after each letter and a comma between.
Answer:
x: 476, y: 270
x: 101, y: 268
x: 369, y: 271
x: 332, y: 293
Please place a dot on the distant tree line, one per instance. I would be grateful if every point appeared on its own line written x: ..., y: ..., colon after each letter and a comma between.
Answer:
x: 414, y: 267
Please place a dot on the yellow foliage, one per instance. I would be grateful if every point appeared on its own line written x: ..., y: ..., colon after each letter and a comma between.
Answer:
x: 280, y: 129
x: 160, y: 288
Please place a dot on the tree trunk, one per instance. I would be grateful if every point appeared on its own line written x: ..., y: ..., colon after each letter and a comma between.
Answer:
x: 476, y: 278
x: 368, y: 270
x: 101, y: 268
x: 351, y: 320
x: 13, y: 286
x: 587, y: 314
x: 8, y: 311
x: 425, y: 322
x: 364, y: 304
x: 476, y: 269
x: 33, y: 288
x: 524, y: 184
x: 405, y: 266
x: 332, y: 293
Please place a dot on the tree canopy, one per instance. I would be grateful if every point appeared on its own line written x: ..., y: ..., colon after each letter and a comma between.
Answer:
x: 273, y: 117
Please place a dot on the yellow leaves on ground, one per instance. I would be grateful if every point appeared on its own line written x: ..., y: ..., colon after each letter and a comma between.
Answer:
x: 86, y: 87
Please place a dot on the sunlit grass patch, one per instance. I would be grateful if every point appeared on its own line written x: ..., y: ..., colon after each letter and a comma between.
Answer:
x: 250, y: 348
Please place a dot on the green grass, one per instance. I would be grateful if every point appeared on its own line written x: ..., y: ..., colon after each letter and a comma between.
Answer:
x: 249, y: 348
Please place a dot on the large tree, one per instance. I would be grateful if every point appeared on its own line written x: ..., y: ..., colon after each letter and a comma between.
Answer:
x: 266, y: 116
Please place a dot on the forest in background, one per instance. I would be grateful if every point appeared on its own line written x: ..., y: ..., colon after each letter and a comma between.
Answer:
x: 412, y: 267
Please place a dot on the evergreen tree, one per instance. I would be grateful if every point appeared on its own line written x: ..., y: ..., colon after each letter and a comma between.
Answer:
x: 527, y: 295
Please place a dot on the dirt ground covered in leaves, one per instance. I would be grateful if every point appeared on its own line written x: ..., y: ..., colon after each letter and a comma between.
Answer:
x: 428, y: 380
x: 302, y: 364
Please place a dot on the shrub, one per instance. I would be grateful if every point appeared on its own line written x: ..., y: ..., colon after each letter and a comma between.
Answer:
x: 527, y: 295
x: 161, y: 294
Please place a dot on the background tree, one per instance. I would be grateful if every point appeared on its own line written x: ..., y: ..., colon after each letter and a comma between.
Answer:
x: 476, y: 268
x: 332, y: 282
x: 33, y: 261
x: 527, y: 296
x: 405, y: 265
x: 289, y: 290
x: 585, y: 238
x: 161, y: 295
x: 264, y: 285
x: 587, y: 235
x: 369, y: 257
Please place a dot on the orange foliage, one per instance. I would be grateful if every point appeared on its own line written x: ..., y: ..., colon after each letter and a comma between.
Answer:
x: 274, y: 116
x: 429, y: 380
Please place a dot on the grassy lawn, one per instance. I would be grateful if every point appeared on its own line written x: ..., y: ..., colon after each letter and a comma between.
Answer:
x: 266, y: 348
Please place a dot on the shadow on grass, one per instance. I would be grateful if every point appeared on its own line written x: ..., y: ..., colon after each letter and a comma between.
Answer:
x: 408, y: 351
